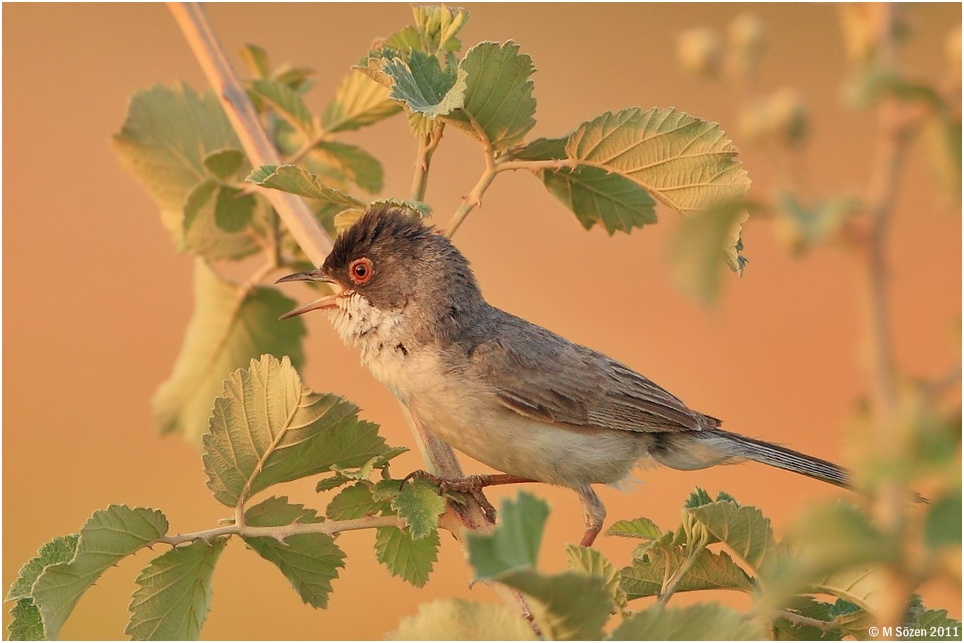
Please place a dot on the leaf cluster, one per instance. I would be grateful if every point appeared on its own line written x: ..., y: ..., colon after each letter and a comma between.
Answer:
x: 719, y: 545
x: 266, y: 428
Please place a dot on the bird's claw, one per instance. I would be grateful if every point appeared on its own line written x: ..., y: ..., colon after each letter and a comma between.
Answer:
x: 469, y: 485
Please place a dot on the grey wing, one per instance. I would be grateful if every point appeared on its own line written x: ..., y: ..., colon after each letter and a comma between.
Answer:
x: 545, y: 376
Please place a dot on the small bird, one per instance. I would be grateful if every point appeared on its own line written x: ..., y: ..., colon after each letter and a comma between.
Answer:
x: 513, y: 395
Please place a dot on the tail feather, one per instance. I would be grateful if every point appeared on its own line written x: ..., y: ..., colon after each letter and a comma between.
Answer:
x: 689, y: 450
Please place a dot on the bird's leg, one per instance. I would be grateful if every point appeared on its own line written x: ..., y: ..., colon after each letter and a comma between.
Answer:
x: 595, y: 513
x: 472, y: 485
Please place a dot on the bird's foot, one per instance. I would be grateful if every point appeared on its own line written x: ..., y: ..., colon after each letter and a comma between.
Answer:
x: 469, y: 485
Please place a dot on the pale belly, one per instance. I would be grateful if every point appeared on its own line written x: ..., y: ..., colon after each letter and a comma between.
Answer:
x: 474, y: 421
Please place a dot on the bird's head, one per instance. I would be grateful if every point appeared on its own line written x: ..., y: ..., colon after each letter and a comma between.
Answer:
x: 395, y: 263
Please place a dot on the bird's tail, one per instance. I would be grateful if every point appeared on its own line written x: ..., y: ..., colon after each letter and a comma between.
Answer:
x: 700, y: 449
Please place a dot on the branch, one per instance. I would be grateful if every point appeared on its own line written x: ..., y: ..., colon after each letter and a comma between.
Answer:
x: 800, y: 619
x: 474, y: 197
x: 330, y: 528
x: 295, y: 213
x: 426, y: 147
x: 670, y: 588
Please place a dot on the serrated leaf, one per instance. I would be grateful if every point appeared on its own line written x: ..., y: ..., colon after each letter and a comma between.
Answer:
x: 26, y: 624
x: 199, y: 196
x: 225, y: 163
x: 461, y: 620
x: 701, y: 622
x: 256, y: 59
x: 864, y: 585
x: 355, y: 163
x: 705, y: 245
x: 331, y: 482
x: 296, y: 180
x: 685, y: 162
x: 597, y: 196
x: 233, y: 210
x: 929, y: 625
x: 59, y: 550
x: 419, y: 505
x: 353, y: 502
x: 567, y: 607
x: 173, y: 593
x: 541, y: 149
x: 423, y: 86
x: 591, y: 562
x: 514, y: 543
x: 499, y: 107
x: 417, y: 209
x: 287, y: 103
x: 268, y: 428
x: 942, y: 526
x: 107, y: 537
x: 359, y: 101
x: 403, y: 40
x: 743, y: 529
x: 410, y: 559
x: 229, y: 328
x: 438, y: 26
x: 697, y: 498
x: 310, y: 562
x: 638, y: 528
x: 710, y: 570
x: 786, y: 630
x: 166, y: 135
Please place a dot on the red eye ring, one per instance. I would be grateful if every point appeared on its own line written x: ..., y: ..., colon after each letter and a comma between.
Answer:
x: 361, y: 271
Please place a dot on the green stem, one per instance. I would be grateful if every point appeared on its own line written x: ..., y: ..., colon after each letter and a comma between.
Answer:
x: 426, y: 148
x: 329, y: 527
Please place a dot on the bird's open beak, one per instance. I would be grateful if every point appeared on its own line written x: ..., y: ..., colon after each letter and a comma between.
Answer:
x: 324, y: 302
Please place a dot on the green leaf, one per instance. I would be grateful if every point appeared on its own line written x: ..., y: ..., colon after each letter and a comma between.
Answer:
x: 710, y: 570
x: 405, y: 556
x: 59, y: 550
x: 107, y: 537
x: 541, y: 149
x: 196, y: 199
x: 461, y: 620
x: 256, y: 59
x: 354, y: 162
x: 417, y: 209
x: 567, y: 607
x: 26, y: 624
x: 404, y: 40
x: 743, y: 529
x: 287, y: 102
x: 297, y: 78
x: 173, y: 593
x: 943, y: 524
x: 353, y: 502
x: 683, y: 161
x: 597, y: 196
x: 701, y: 622
x: 862, y: 584
x: 591, y: 562
x: 929, y: 625
x: 706, y: 243
x: 331, y: 482
x: 698, y: 498
x: 514, y: 543
x: 225, y: 163
x: 269, y: 428
x: 786, y: 630
x: 942, y: 136
x: 639, y: 528
x: 437, y: 27
x: 499, y: 107
x: 229, y: 327
x: 419, y: 505
x: 423, y: 86
x: 309, y: 561
x: 293, y: 179
x: 233, y: 210
x: 165, y: 138
x: 359, y: 101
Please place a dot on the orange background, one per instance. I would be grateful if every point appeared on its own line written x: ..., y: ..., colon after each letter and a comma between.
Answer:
x: 96, y: 301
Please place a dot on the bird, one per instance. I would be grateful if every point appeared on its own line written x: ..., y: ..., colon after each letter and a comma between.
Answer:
x: 513, y: 395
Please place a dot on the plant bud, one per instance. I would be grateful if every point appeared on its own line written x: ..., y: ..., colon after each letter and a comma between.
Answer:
x: 788, y: 116
x: 747, y: 33
x: 700, y: 50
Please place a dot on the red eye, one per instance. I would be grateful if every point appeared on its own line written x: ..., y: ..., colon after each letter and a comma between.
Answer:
x: 361, y: 270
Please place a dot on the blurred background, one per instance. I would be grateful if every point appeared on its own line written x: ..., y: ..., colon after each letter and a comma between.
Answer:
x: 96, y: 301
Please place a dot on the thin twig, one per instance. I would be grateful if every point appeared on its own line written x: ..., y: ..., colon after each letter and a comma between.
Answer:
x: 258, y: 148
x: 426, y: 148
x: 329, y: 527
x: 800, y: 619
